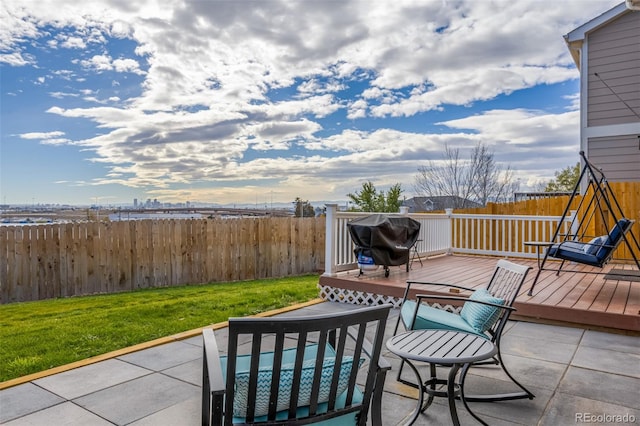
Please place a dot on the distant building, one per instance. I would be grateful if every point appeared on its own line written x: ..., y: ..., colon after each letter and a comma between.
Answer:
x: 524, y: 196
x: 428, y: 204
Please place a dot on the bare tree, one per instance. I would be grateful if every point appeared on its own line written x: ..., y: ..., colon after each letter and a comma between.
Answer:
x: 492, y: 183
x: 479, y: 179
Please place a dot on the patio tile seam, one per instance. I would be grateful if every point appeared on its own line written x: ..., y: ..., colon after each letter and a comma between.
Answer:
x: 548, y: 406
x: 574, y: 395
x: 597, y: 370
x: 91, y: 411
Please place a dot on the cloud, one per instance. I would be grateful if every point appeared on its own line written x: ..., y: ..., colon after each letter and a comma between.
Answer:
x: 238, y: 94
x: 16, y: 59
x: 106, y: 63
x: 41, y: 135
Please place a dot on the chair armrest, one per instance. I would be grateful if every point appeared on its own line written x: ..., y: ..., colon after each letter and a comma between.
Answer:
x: 212, y: 359
x: 383, y: 364
x: 409, y: 283
x: 213, y: 386
x: 420, y: 297
x: 378, y: 392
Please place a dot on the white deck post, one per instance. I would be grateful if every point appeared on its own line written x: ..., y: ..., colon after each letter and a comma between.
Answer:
x: 449, y: 213
x: 330, y: 268
x: 575, y: 223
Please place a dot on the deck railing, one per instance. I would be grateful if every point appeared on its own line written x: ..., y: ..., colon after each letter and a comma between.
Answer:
x: 497, y: 235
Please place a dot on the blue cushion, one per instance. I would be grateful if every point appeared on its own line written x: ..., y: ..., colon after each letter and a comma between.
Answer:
x: 612, y: 239
x: 302, y: 412
x: 573, y: 251
x: 435, y: 319
x: 481, y: 317
x: 286, y: 379
x: 594, y: 245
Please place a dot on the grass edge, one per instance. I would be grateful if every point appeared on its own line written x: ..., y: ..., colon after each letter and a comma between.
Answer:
x: 145, y: 345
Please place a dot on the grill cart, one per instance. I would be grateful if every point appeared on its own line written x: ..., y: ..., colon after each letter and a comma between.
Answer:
x: 383, y: 240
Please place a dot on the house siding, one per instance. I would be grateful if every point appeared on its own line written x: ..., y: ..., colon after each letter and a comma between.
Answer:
x: 617, y: 156
x: 614, y: 54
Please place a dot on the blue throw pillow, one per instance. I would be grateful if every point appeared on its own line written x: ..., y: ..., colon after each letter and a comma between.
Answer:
x: 286, y: 382
x: 594, y: 245
x: 481, y: 317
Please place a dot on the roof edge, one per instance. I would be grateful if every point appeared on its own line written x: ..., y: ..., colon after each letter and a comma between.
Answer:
x: 611, y: 14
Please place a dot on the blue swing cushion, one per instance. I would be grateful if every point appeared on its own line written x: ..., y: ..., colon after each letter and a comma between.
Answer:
x: 242, y: 375
x: 481, y: 317
x: 594, y: 245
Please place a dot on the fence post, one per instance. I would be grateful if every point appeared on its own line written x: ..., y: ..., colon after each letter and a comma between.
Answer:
x: 449, y: 213
x: 330, y: 241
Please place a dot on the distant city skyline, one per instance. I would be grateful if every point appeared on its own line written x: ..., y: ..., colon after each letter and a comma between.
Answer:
x: 262, y: 102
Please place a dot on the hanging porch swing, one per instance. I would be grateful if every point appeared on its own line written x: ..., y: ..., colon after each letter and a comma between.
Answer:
x: 576, y: 246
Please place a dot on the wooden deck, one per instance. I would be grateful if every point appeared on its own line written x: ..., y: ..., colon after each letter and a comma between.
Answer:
x: 585, y: 300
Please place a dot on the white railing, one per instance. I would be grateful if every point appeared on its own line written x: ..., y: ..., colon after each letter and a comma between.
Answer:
x: 503, y: 235
x: 496, y: 235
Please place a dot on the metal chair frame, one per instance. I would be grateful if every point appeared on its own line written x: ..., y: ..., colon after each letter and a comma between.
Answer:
x: 505, y: 283
x: 345, y: 332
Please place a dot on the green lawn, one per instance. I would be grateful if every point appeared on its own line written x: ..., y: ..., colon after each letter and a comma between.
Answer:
x: 36, y: 336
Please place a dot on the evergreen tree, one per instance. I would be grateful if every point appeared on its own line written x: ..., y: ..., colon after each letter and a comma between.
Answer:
x: 565, y: 181
x: 369, y: 199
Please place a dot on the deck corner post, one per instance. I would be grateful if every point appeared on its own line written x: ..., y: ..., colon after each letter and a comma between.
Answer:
x: 449, y: 213
x: 330, y: 267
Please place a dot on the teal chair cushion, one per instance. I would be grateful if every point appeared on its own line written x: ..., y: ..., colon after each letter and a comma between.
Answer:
x: 481, y: 317
x: 243, y: 363
x: 435, y: 319
x: 301, y: 412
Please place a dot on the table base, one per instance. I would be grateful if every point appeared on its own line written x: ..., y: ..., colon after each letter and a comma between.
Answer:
x: 454, y: 390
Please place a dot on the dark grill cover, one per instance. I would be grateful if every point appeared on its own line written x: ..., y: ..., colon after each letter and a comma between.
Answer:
x: 387, y: 239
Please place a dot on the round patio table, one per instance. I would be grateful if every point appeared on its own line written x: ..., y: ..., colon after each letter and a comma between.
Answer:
x: 454, y: 348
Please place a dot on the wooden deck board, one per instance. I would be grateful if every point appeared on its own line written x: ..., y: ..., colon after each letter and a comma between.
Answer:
x: 571, y: 297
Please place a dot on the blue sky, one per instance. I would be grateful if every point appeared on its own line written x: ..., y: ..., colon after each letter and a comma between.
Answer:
x: 243, y: 102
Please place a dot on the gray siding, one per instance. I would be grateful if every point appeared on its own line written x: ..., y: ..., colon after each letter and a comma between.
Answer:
x: 614, y: 53
x: 617, y: 156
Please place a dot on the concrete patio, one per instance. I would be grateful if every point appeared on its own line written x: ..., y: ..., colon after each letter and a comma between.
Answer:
x: 577, y: 375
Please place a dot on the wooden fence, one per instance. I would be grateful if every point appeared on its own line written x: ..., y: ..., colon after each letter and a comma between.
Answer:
x: 60, y: 260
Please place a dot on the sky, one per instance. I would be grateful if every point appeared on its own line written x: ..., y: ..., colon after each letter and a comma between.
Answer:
x: 261, y: 102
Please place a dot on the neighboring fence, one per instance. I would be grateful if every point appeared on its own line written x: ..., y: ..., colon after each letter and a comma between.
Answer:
x: 60, y: 260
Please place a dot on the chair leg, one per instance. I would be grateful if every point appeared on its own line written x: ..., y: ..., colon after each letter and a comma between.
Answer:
x: 404, y: 381
x: 506, y: 396
x: 376, y: 402
x: 535, y: 281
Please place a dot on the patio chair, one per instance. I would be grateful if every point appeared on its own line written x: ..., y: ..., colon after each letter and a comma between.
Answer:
x: 315, y: 359
x: 484, y: 313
